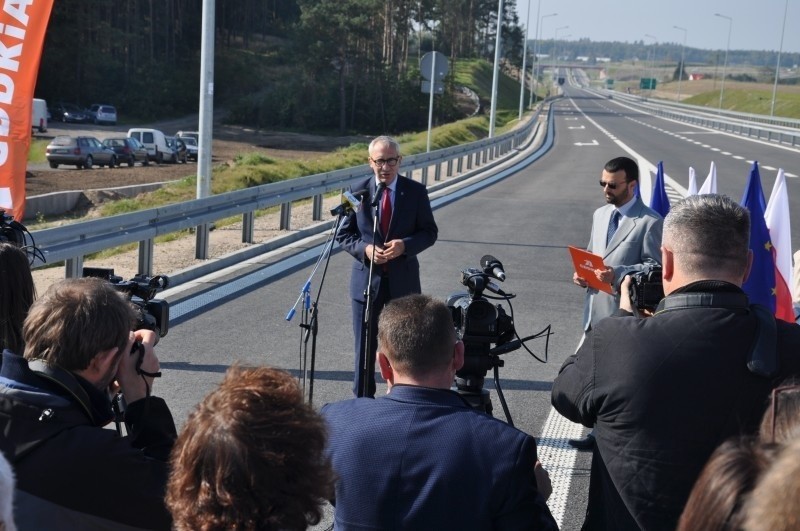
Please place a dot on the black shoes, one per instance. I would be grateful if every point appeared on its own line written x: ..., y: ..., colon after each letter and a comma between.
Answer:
x: 587, y: 443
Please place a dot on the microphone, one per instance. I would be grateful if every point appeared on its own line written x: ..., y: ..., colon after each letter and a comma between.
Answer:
x: 350, y: 201
x: 378, y: 193
x: 492, y: 267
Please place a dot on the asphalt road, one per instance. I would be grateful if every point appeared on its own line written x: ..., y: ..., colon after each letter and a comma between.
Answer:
x: 526, y: 221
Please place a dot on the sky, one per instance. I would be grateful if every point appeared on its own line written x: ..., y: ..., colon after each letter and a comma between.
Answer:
x: 755, y: 24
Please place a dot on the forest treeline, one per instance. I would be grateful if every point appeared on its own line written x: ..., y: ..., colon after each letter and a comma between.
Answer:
x: 305, y: 64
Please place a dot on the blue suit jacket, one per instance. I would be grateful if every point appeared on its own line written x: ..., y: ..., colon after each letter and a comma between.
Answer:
x: 412, y: 221
x: 423, y: 459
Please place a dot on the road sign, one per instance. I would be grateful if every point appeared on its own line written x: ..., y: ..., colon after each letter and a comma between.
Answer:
x: 438, y: 87
x: 426, y: 64
x: 647, y: 83
x: 609, y: 82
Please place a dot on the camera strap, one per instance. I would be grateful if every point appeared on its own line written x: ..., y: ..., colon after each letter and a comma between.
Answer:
x: 65, y: 380
x: 762, y: 359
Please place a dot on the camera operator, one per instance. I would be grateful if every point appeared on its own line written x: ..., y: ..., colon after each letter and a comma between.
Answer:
x: 421, y: 457
x: 664, y: 391
x: 72, y: 473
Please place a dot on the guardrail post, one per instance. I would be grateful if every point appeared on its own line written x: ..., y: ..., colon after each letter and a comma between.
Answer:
x: 146, y: 257
x: 73, y: 267
x: 424, y: 178
x: 460, y: 164
x: 450, y: 167
x: 286, y: 216
x: 316, y: 213
x: 248, y: 227
x: 437, y: 173
x: 469, y: 161
x: 201, y: 242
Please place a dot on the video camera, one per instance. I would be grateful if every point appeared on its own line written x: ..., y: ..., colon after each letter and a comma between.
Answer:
x: 17, y: 234
x: 153, y: 314
x: 646, y: 288
x: 479, y: 324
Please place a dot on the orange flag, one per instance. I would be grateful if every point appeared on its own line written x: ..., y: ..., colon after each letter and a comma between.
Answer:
x: 22, y: 28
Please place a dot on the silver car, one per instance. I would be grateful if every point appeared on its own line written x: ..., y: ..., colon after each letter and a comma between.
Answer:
x: 80, y: 151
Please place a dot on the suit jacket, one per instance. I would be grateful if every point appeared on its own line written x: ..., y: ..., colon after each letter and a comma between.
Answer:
x: 421, y: 458
x: 636, y: 243
x: 412, y: 221
x: 662, y: 393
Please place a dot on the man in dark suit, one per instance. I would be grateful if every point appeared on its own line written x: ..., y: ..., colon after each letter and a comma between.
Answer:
x: 664, y: 391
x: 385, y: 241
x: 421, y: 457
x: 627, y: 235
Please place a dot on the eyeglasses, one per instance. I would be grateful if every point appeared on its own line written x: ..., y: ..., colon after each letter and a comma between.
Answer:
x: 612, y: 186
x: 389, y: 162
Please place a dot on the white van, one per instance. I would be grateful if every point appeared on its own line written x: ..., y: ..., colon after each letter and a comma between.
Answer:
x: 155, y: 142
x: 39, y: 119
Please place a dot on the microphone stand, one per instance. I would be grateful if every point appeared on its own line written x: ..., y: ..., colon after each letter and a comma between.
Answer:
x: 365, y: 375
x: 310, y: 320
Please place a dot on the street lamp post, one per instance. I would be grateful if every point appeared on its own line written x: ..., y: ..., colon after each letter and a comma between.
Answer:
x: 524, y: 59
x: 496, y: 75
x: 555, y: 38
x: 778, y: 65
x: 725, y: 65
x: 652, y: 61
x: 537, y: 45
x: 683, y: 48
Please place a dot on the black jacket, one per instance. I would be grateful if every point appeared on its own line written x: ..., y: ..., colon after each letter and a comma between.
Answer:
x: 662, y: 393
x: 73, y: 474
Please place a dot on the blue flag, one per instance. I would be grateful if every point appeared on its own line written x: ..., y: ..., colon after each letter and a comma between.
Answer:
x: 660, y: 202
x: 760, y: 286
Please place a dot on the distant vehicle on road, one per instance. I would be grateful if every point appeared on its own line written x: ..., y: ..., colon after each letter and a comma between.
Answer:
x: 179, y: 151
x: 101, y: 113
x: 80, y: 151
x: 128, y: 150
x: 68, y: 112
x: 39, y: 115
x: 155, y: 142
x: 192, y: 149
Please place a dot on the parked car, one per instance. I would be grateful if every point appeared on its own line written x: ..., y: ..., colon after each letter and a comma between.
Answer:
x: 39, y: 115
x: 80, y: 151
x: 155, y: 142
x: 179, y: 151
x: 192, y: 149
x: 68, y: 112
x: 192, y: 134
x: 101, y: 113
x: 128, y: 150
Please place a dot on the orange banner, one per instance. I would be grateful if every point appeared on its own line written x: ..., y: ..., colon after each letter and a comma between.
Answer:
x: 22, y: 27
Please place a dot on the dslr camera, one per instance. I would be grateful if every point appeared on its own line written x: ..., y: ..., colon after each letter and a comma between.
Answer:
x: 152, y: 313
x: 646, y: 288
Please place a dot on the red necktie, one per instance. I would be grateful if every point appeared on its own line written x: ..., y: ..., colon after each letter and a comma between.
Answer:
x: 386, y: 213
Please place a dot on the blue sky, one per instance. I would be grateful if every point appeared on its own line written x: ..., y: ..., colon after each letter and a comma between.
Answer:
x: 756, y: 24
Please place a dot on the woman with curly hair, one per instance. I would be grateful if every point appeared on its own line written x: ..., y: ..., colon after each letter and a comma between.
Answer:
x: 250, y: 457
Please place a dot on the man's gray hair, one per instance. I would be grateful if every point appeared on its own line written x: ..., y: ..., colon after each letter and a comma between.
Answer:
x: 386, y: 141
x: 708, y: 233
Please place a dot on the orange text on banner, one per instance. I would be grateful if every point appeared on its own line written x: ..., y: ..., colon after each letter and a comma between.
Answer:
x: 22, y: 28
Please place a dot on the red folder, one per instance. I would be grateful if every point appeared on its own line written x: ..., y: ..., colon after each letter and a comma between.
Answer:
x: 585, y: 263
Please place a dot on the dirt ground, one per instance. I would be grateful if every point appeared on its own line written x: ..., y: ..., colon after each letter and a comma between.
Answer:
x: 228, y: 142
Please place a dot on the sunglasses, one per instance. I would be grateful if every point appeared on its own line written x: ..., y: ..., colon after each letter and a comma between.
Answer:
x: 612, y: 186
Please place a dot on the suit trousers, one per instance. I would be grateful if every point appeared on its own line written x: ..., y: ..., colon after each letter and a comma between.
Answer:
x: 379, y: 300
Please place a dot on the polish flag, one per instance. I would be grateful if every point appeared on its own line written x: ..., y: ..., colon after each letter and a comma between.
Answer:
x: 777, y: 218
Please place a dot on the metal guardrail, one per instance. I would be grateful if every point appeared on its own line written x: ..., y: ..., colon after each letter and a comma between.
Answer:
x: 71, y: 243
x: 783, y: 131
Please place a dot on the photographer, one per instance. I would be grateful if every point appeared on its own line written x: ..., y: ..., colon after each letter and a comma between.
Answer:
x: 664, y: 391
x: 72, y: 473
x: 421, y: 457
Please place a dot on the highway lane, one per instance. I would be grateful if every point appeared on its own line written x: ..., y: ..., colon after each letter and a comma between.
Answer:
x: 526, y: 221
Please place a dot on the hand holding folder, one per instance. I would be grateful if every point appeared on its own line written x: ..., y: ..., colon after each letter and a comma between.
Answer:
x: 585, y: 265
